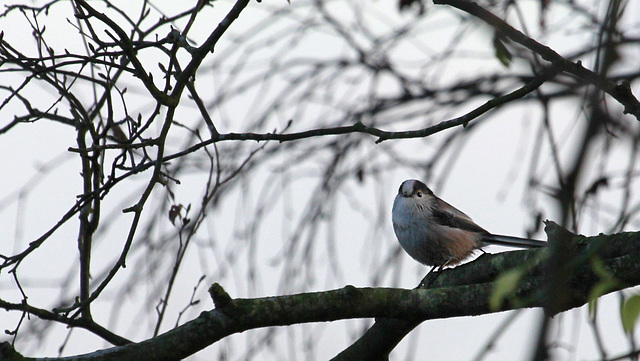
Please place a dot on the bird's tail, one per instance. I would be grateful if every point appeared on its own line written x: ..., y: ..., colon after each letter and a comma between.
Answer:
x: 510, y: 241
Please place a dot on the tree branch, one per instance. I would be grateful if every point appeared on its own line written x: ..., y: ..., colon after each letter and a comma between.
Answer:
x: 127, y: 46
x: 621, y: 92
x: 461, y: 291
x: 83, y: 323
x: 383, y: 135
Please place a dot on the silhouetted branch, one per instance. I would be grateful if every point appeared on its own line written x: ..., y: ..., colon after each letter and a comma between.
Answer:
x: 621, y: 92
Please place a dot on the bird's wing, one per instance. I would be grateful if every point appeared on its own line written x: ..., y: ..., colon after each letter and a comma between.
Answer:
x: 450, y: 216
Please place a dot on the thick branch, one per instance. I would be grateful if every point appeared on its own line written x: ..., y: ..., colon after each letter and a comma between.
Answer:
x: 386, y: 333
x: 462, y: 291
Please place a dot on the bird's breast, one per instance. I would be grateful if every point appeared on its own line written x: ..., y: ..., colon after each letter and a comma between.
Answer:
x: 426, y: 241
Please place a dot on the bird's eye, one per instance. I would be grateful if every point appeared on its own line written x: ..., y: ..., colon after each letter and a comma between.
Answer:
x: 419, y: 193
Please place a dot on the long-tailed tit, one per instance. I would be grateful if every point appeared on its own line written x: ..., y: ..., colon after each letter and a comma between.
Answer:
x: 437, y: 234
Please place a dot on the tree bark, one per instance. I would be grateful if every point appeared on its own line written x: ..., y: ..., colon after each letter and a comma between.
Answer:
x: 465, y: 290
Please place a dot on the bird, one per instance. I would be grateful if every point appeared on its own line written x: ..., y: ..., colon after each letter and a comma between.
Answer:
x: 437, y: 234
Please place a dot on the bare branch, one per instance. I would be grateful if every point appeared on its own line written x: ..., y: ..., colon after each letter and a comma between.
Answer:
x: 621, y: 92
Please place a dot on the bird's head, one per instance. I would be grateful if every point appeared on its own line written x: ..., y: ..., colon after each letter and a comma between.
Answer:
x: 413, y: 188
